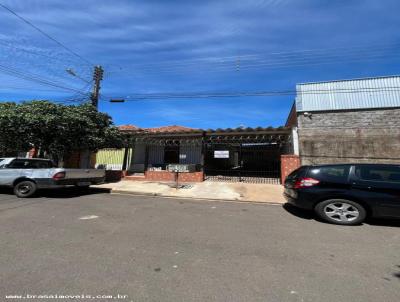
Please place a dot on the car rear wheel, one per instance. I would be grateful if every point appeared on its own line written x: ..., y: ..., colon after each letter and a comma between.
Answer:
x: 25, y: 189
x: 341, y: 211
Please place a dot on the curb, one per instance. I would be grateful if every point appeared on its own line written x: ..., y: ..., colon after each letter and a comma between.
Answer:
x: 133, y: 193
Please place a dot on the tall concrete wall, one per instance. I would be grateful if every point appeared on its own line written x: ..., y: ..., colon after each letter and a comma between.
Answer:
x: 350, y: 136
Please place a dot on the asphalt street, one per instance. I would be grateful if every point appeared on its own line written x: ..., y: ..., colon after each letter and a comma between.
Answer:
x: 154, y: 249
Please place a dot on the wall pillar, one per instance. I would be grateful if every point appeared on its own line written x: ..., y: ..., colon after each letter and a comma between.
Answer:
x: 92, y: 160
x: 289, y: 163
x: 295, y: 141
x: 125, y: 160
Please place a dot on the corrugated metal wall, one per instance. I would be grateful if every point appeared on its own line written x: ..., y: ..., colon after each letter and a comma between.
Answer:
x: 156, y: 155
x: 140, y: 153
x: 190, y: 154
x: 349, y: 94
x: 112, y: 159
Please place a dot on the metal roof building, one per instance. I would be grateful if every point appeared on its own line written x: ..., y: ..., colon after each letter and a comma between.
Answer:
x: 380, y: 92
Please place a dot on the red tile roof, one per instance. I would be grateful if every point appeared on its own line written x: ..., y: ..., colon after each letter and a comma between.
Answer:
x: 182, y: 129
x: 163, y: 129
x: 170, y: 129
x: 128, y: 127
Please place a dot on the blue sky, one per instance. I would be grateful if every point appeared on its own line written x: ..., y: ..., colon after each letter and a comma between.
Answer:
x: 176, y: 46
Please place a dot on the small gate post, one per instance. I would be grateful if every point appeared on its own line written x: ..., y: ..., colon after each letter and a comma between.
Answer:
x: 125, y: 159
x: 240, y: 162
x: 289, y: 163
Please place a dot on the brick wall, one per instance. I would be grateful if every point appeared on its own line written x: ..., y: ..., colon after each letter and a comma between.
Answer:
x: 289, y: 163
x: 159, y: 176
x: 350, y: 136
x: 191, y: 177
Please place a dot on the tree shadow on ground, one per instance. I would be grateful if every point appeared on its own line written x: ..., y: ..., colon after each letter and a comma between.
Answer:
x: 310, y: 215
x: 71, y: 192
x: 68, y: 192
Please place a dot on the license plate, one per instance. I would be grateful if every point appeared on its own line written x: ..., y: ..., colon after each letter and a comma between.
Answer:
x: 83, y: 183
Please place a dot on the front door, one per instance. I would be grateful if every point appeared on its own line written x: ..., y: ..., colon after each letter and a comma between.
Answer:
x: 171, y: 154
x: 380, y: 185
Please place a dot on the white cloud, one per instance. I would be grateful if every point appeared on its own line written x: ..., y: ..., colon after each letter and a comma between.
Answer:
x: 178, y: 45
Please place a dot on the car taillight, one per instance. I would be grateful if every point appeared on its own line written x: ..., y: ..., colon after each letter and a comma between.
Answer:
x: 305, y: 182
x: 59, y: 175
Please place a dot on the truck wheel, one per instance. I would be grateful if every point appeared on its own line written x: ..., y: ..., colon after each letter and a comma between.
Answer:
x: 25, y: 189
x: 341, y: 211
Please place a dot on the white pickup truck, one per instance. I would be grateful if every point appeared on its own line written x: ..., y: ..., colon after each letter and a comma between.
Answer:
x: 27, y: 175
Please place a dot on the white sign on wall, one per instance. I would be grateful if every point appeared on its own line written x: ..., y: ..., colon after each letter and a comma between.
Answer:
x: 221, y: 154
x: 182, y: 156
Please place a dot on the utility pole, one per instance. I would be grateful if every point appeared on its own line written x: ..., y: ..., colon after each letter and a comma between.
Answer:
x: 97, y: 77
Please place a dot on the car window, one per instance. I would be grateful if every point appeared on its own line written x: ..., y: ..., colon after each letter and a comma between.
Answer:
x: 378, y: 173
x: 18, y: 164
x: 29, y: 164
x: 330, y: 173
x: 300, y: 172
x: 40, y: 164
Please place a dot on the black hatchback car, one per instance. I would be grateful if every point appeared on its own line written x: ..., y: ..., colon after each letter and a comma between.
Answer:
x: 346, y: 194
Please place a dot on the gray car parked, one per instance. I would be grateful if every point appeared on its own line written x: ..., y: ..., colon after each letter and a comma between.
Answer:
x: 27, y: 175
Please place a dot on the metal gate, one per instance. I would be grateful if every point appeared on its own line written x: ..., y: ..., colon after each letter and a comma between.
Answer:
x: 242, y: 162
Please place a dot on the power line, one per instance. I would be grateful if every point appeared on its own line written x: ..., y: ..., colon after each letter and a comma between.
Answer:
x: 224, y: 67
x: 59, y: 73
x: 30, y: 51
x: 66, y: 62
x: 78, y: 98
x: 201, y: 95
x: 275, y: 57
x: 73, y: 100
x: 34, y: 78
x: 260, y: 66
x: 256, y: 67
x: 30, y: 77
x: 74, y: 74
x: 267, y: 59
x: 29, y: 89
x: 45, y: 34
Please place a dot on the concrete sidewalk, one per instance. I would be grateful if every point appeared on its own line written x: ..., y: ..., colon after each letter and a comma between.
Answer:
x: 205, y: 190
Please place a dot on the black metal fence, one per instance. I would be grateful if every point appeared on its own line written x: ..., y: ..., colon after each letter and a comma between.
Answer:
x: 269, y: 177
x: 251, y: 162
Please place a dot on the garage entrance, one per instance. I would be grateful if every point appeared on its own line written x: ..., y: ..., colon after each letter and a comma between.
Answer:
x: 249, y: 156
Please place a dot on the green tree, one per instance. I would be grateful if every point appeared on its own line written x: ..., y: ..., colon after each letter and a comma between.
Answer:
x: 13, y: 137
x: 55, y: 129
